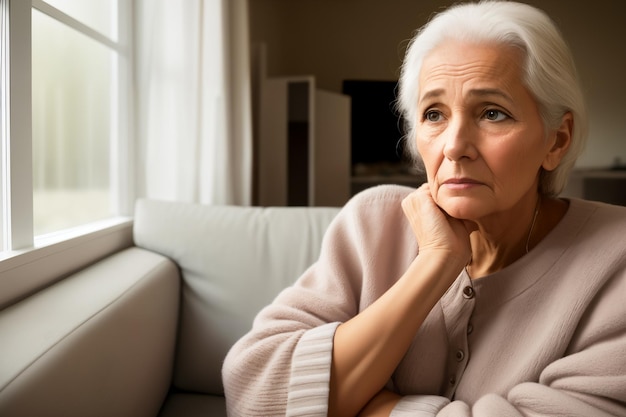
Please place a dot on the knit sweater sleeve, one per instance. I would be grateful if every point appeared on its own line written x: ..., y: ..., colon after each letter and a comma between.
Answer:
x: 282, y: 366
x: 589, y: 380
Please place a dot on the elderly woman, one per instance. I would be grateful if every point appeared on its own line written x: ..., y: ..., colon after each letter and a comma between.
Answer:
x: 481, y: 293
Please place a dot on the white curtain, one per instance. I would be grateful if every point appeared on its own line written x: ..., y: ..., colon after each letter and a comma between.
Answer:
x: 193, y: 101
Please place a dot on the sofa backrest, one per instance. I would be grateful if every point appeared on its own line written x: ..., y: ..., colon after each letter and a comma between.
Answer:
x: 233, y: 261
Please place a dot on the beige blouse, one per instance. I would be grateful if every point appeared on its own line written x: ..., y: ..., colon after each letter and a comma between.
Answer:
x: 544, y: 336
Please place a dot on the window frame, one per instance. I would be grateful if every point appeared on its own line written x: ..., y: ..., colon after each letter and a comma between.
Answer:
x: 17, y: 198
x: 28, y: 262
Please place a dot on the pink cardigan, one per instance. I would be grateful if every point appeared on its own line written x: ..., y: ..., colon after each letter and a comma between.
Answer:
x: 544, y: 336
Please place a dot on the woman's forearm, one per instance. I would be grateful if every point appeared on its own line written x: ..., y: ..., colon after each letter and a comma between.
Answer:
x: 369, y: 347
x: 381, y: 405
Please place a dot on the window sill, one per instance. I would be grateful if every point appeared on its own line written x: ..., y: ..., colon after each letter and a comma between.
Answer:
x: 58, y: 255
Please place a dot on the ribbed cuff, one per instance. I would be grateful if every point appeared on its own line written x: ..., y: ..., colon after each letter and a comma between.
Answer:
x: 419, y: 406
x: 310, y: 372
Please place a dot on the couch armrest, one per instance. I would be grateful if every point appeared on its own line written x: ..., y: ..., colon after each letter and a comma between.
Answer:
x: 98, y: 343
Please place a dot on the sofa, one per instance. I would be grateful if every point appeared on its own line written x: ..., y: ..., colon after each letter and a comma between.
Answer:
x: 144, y: 331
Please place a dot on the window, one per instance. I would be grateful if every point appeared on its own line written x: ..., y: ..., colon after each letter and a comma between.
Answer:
x: 65, y: 116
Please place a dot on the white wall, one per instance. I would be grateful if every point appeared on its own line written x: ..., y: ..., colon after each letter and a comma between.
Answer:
x: 365, y: 39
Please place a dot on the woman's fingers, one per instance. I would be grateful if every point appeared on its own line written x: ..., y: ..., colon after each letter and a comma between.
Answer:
x: 434, y: 229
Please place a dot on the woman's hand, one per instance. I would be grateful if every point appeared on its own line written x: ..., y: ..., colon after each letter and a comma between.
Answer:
x: 434, y: 229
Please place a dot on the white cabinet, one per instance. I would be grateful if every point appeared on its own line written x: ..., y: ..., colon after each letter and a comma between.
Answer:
x: 303, y: 144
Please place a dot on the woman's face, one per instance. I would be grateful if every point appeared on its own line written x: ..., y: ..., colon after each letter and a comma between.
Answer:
x: 478, y: 129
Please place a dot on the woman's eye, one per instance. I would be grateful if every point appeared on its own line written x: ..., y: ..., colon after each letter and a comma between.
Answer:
x: 432, y: 116
x: 495, y: 115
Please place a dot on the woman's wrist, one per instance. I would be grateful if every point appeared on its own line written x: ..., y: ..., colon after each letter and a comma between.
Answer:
x: 446, y: 261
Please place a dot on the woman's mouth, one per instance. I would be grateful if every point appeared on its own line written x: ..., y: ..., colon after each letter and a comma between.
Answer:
x: 461, y: 183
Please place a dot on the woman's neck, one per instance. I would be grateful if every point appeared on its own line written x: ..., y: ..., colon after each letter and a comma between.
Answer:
x: 500, y: 243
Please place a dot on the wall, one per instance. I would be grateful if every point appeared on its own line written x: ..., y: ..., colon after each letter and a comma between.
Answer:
x: 365, y: 39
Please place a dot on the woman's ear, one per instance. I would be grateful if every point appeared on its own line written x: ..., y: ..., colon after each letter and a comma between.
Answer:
x: 560, y: 140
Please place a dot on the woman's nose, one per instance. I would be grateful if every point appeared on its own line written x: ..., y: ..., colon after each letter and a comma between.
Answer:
x: 459, y: 140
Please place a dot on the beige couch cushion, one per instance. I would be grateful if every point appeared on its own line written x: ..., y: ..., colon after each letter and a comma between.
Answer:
x: 234, y: 261
x: 98, y: 343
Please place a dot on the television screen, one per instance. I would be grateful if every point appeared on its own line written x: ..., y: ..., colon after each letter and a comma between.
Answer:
x: 377, y: 128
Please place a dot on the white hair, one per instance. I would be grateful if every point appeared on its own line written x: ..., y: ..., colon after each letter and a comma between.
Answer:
x: 549, y: 70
